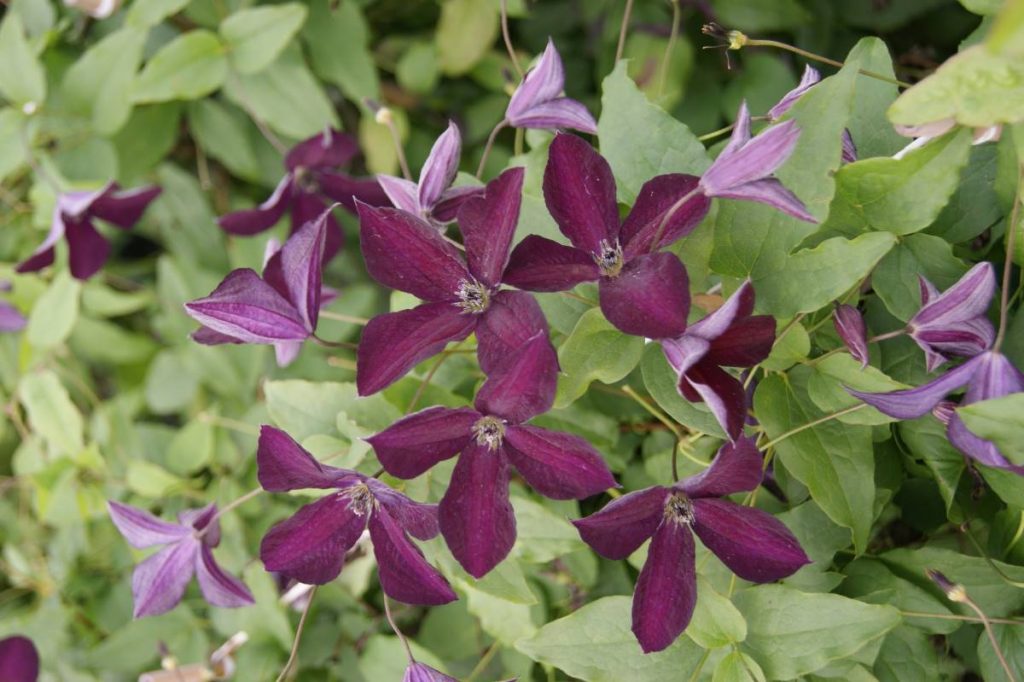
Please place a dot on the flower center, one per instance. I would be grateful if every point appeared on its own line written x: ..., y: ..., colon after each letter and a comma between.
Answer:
x: 360, y: 499
x: 474, y: 297
x: 679, y: 509
x: 305, y: 179
x: 609, y: 258
x: 489, y: 432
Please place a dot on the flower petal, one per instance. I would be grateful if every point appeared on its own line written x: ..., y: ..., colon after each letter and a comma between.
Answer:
x: 124, y: 208
x: 88, y: 250
x: 755, y: 545
x: 346, y: 190
x: 737, y: 468
x: 283, y: 465
x: 739, y: 305
x: 285, y: 352
x: 440, y: 167
x: 415, y: 443
x: 561, y: 466
x: 220, y: 588
x: 771, y: 192
x: 309, y: 208
x: 142, y: 529
x: 625, y: 523
x: 296, y: 271
x: 747, y: 342
x: 328, y: 149
x: 418, y: 672
x: 418, y: 519
x: 19, y: 660
x: 967, y: 299
x: 404, y: 574
x: 451, y: 201
x: 540, y: 264
x: 996, y: 377
x: 513, y: 318
x: 966, y: 339
x: 912, y: 403
x: 666, y: 590
x: 556, y: 114
x: 543, y: 82
x: 159, y: 582
x: 810, y: 77
x: 11, y: 319
x: 579, y: 191
x: 668, y: 207
x: 523, y: 385
x: 850, y: 326
x: 401, y: 192
x: 755, y: 160
x: 263, y: 217
x: 488, y: 223
x: 245, y: 307
x: 649, y: 298
x: 723, y: 394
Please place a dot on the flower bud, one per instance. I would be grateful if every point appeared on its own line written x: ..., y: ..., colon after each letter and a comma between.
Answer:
x: 852, y: 330
x: 954, y: 591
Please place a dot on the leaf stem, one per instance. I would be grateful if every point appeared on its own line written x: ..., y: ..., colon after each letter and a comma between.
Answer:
x: 957, y: 616
x: 401, y: 637
x: 341, y: 317
x: 758, y: 42
x: 238, y: 502
x: 991, y: 638
x: 623, y: 28
x: 490, y: 144
x: 508, y: 39
x: 1004, y: 296
x: 484, y: 661
x: 298, y: 637
x: 812, y: 424
x: 673, y: 36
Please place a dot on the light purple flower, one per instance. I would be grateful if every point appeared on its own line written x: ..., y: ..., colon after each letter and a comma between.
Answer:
x: 11, y: 319
x: 159, y: 582
x: 953, y: 323
x: 310, y: 546
x: 19, y: 660
x: 850, y: 326
x: 810, y: 78
x: 729, y: 337
x: 538, y: 101
x: 475, y: 513
x: 311, y: 184
x: 73, y: 218
x: 281, y: 308
x: 752, y: 543
x: 419, y: 672
x: 641, y: 291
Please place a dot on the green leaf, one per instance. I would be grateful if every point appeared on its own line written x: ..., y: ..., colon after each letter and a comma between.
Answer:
x: 338, y: 39
x: 146, y: 13
x: 418, y: 70
x: 383, y: 658
x: 189, y: 67
x: 895, y: 280
x: 736, y: 666
x: 102, y: 300
x: 51, y: 414
x: 55, y: 312
x: 1008, y: 31
x: 595, y: 644
x: 465, y: 32
x: 170, y: 385
x: 12, y: 151
x: 1011, y: 644
x: 255, y: 36
x: 907, y: 654
x: 975, y: 205
x: 792, y: 633
x: 826, y: 387
x: 792, y: 344
x: 191, y: 448
x: 149, y: 135
x: 660, y: 380
x: 99, y: 84
x: 222, y: 133
x: 151, y: 480
x: 22, y: 79
x: 1001, y: 421
x: 595, y: 351
x: 870, y: 580
x: 870, y: 129
x: 541, y: 534
x: 716, y: 622
x: 307, y: 408
x: 927, y: 440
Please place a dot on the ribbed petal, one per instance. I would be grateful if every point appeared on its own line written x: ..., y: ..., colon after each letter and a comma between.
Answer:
x: 245, y: 307
x: 557, y: 114
x: 561, y: 466
x: 283, y: 465
x: 649, y: 298
x: 810, y: 77
x: 625, y: 523
x: 88, y: 250
x: 684, y: 352
x: 159, y: 582
x: 346, y: 190
x: 401, y: 192
x: 977, y: 448
x: 418, y: 672
x: 740, y: 135
x: 513, y: 318
x: 199, y: 519
x: 142, y: 529
x: 476, y: 516
x: 523, y: 385
x: 488, y: 223
x: 737, y: 468
x: 849, y: 148
x: 220, y: 588
x: 996, y: 377
x: 736, y: 307
x: 296, y: 271
x: 327, y: 149
x: 966, y: 339
x: 755, y: 545
x: 850, y: 326
x: 451, y: 201
x: 418, y: 519
x: 757, y: 159
x: 722, y: 393
x: 208, y: 337
x: 124, y: 208
x: 19, y: 660
x: 404, y: 574
x: 263, y: 217
x: 579, y: 191
x: 912, y: 403
x: 414, y: 444
x: 394, y: 343
x: 440, y: 167
x: 747, y: 342
x: 543, y: 82
x: 405, y: 253
x: 666, y: 590
x: 308, y: 208
x: 539, y: 264
x: 659, y: 214
x: 772, y: 192
x: 967, y: 299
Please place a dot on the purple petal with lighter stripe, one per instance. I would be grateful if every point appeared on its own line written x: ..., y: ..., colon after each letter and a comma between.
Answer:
x: 721, y: 392
x: 561, y: 466
x: 296, y: 270
x: 419, y: 672
x: 220, y: 588
x: 557, y: 114
x: 912, y: 403
x: 401, y: 192
x: 415, y: 443
x: 159, y: 582
x: 968, y: 298
x: 625, y: 523
x: 849, y: 324
x: 543, y: 82
x: 142, y: 529
x: 245, y: 307
x: 771, y: 192
x: 809, y: 78
x: 440, y: 167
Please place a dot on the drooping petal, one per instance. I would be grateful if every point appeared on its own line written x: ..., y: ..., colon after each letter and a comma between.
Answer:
x: 296, y: 271
x: 218, y: 587
x: 440, y: 167
x: 285, y: 352
x: 488, y: 223
x: 245, y: 307
x: 11, y: 319
x: 968, y: 298
x: 667, y: 209
x: 124, y: 208
x: 283, y: 465
x: 649, y: 298
x: 977, y: 448
x: 394, y: 343
x: 475, y: 514
x: 201, y: 517
x: 19, y: 660
x: 561, y: 466
x: 263, y: 217
x: 43, y: 256
x: 539, y: 264
x: 740, y: 134
x: 415, y: 443
x: 912, y: 403
x: 543, y: 82
x: 755, y: 545
x: 451, y: 201
x: 810, y: 77
x: 721, y: 392
x: 772, y: 192
x: 666, y: 590
x: 417, y: 518
x: 346, y: 190
x: 88, y: 250
x: 208, y: 337
x: 625, y: 523
x: 557, y: 114
x: 401, y: 192
x: 308, y: 208
x: 756, y: 159
x: 419, y: 672
x: 579, y: 190
x: 747, y: 342
x: 966, y: 339
x: 684, y: 352
x: 142, y: 529
x: 513, y: 318
x: 849, y: 148
x: 737, y: 468
x: 328, y: 149
x: 523, y: 385
x: 159, y: 582
x: 404, y: 574
x: 850, y: 326
x: 996, y: 377
x: 739, y: 305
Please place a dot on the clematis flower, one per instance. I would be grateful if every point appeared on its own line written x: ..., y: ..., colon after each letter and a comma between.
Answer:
x: 73, y: 218
x: 642, y: 292
x: 420, y: 672
x: 461, y: 297
x: 19, y: 660
x: 310, y: 546
x: 810, y: 78
x: 744, y: 168
x: 850, y: 326
x: 281, y: 308
x: 988, y: 375
x: 752, y: 543
x: 309, y: 186
x: 159, y: 582
x: 475, y: 513
x: 925, y: 133
x: 954, y: 322
x: 433, y: 198
x: 538, y: 101
x: 11, y: 319
x: 730, y: 337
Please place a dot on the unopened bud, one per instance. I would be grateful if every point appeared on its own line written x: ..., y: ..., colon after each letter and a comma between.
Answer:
x: 954, y: 592
x: 852, y: 330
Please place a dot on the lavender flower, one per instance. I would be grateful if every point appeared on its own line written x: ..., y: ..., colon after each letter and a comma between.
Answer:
x: 538, y: 101
x: 475, y: 514
x: 310, y: 546
x: 310, y: 184
x: 954, y: 322
x: 732, y: 337
x: 419, y: 672
x: 753, y: 544
x: 73, y: 218
x: 641, y: 291
x: 19, y: 660
x: 850, y: 326
x: 810, y: 78
x: 159, y: 582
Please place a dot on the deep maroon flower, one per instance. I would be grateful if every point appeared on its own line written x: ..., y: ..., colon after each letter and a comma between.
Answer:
x: 309, y: 186
x: 753, y: 544
x: 19, y: 660
x: 953, y: 322
x: 281, y: 308
x: 73, y: 218
x: 475, y: 514
x: 809, y: 79
x: 311, y: 545
x: 988, y: 375
x: 420, y: 672
x: 850, y: 326
x: 642, y: 292
x: 462, y: 296
x: 729, y: 337
x: 538, y: 101
x: 159, y: 582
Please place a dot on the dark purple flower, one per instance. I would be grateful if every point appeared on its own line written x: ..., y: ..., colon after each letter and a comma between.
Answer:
x: 310, y: 546
x: 807, y: 81
x: 475, y: 514
x: 852, y: 330
x: 642, y: 292
x: 461, y: 296
x: 419, y: 672
x: 988, y: 375
x: 281, y: 308
x: 753, y: 544
x: 19, y: 660
x: 954, y: 322
x: 433, y: 198
x: 159, y: 582
x: 309, y: 187
x: 538, y: 101
x: 729, y: 337
x: 73, y: 218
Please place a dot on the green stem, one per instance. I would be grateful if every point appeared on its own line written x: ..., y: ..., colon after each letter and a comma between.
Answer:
x: 508, y: 39
x: 672, y: 37
x: 809, y: 425
x: 623, y: 29
x: 757, y: 42
x: 1004, y: 297
x: 490, y: 144
x: 298, y: 637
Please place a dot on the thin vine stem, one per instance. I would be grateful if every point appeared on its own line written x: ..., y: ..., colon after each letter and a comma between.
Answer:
x: 398, y: 632
x: 341, y: 317
x: 234, y: 504
x: 508, y: 40
x: 758, y: 42
x: 482, y: 664
x: 623, y: 29
x: 991, y: 638
x: 1004, y: 296
x: 828, y: 417
x: 490, y: 145
x: 298, y: 637
x: 673, y: 36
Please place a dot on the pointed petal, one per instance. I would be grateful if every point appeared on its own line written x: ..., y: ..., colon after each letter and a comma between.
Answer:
x: 282, y: 465
x: 488, y: 223
x: 561, y: 466
x: 684, y: 352
x: 737, y: 468
x: 557, y: 114
x: 263, y: 217
x: 772, y: 192
x: 967, y: 299
x: 401, y: 192
x: 625, y: 523
x: 723, y: 394
x: 849, y: 148
x: 159, y: 582
x: 415, y: 443
x: 475, y: 514
x: 208, y: 337
x: 285, y: 352
x: 451, y: 201
x: 668, y: 207
x: 394, y: 343
x: 418, y: 672
x: 310, y: 546
x: 513, y: 318
x: 327, y: 149
x: 124, y: 208
x: 809, y: 78
x: 404, y: 574
x: 543, y: 82
x: 747, y: 342
x: 912, y: 403
x: 579, y: 191
x: 966, y: 339
x: 88, y: 250
x: 928, y: 290
x: 539, y: 264
x: 850, y: 326
x: 220, y: 588
x: 977, y: 448
x: 757, y: 159
x: 739, y: 305
x: 996, y: 377
x: 245, y: 307
x: 440, y: 167
x: 308, y: 208
x: 346, y: 190
x: 296, y: 271
x: 523, y: 385
x: 199, y: 519
x: 649, y: 298
x: 416, y: 518
x: 666, y: 590
x: 142, y: 529
x: 755, y: 545
x: 19, y: 660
